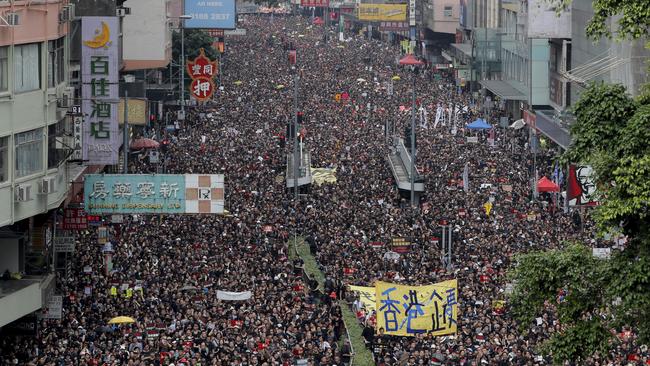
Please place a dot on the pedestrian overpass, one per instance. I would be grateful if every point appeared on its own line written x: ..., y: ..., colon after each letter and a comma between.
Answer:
x: 304, y: 170
x: 399, y: 160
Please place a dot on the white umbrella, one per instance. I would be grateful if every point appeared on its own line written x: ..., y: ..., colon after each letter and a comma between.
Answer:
x: 361, y: 80
x: 518, y: 124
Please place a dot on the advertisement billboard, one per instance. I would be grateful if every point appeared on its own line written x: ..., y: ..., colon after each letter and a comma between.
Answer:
x: 100, y: 89
x: 153, y: 193
x: 136, y: 111
x: 382, y: 12
x: 581, y: 186
x: 220, y: 14
x: 74, y: 219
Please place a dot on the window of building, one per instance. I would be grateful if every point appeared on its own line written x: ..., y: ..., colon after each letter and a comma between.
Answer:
x: 29, y: 152
x: 55, y: 149
x: 4, y: 156
x: 4, y: 69
x: 448, y: 11
x: 55, y: 62
x: 27, y: 67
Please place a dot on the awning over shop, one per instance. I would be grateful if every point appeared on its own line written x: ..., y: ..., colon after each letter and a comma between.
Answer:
x: 446, y: 56
x: 465, y: 48
x: 546, y: 125
x: 503, y: 89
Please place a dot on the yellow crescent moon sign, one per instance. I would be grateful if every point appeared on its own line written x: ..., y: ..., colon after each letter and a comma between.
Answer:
x: 101, y: 39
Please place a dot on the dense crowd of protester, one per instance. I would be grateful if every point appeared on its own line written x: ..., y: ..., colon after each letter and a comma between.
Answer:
x: 168, y: 268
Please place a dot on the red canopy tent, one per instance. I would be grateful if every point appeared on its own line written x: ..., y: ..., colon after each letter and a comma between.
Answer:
x: 143, y: 143
x: 546, y: 185
x: 410, y: 60
x: 318, y: 21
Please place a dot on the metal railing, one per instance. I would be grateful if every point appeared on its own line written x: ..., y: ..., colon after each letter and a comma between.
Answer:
x: 305, y: 275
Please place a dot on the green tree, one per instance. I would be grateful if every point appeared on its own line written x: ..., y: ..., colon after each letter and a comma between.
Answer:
x: 634, y: 17
x: 612, y: 134
x: 195, y: 39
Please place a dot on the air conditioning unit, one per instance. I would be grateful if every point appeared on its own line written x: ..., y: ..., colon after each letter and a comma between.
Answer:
x: 13, y: 19
x: 65, y: 98
x: 64, y: 15
x: 23, y: 193
x: 122, y: 12
x: 48, y: 185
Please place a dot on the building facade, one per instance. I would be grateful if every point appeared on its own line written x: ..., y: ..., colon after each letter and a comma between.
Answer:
x: 35, y: 141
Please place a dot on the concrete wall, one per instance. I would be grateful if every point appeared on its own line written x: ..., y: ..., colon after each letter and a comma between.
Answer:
x: 632, y: 74
x: 9, y: 258
x: 436, y: 18
x: 37, y: 22
x: 26, y: 111
x: 20, y: 303
x: 544, y: 22
x: 147, y: 36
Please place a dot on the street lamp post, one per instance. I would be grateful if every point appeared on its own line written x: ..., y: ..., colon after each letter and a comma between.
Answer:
x: 413, y: 63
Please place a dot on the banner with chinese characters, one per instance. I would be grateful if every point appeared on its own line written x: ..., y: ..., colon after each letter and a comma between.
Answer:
x: 74, y: 219
x: 153, y: 193
x: 100, y: 89
x: 409, y: 310
x: 382, y: 12
x: 393, y: 26
x: 202, y: 72
x: 366, y: 296
x: 315, y: 3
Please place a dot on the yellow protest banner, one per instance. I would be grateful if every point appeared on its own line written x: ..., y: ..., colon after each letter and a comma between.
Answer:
x: 323, y: 175
x: 382, y: 12
x: 366, y: 295
x: 488, y: 207
x: 410, y: 310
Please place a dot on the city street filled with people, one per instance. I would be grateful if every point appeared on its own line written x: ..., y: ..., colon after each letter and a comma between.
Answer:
x: 168, y: 268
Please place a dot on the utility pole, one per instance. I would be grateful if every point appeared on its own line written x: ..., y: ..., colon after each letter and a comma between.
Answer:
x: 413, y: 142
x: 183, y: 67
x: 125, y: 169
x: 295, y: 134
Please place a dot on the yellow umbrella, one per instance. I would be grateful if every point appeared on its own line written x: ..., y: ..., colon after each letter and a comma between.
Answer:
x: 121, y: 320
x: 279, y: 86
x: 396, y: 77
x: 340, y: 46
x: 238, y: 82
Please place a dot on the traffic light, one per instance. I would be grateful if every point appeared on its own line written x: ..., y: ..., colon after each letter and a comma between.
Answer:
x: 407, y: 138
x: 291, y: 131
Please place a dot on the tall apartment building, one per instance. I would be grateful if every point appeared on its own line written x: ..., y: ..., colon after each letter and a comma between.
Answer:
x: 35, y: 141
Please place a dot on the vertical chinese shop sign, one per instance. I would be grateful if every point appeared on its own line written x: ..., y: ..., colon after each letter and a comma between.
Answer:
x: 100, y: 89
x: 202, y: 71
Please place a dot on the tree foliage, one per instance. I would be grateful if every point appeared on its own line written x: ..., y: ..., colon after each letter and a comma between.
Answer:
x: 632, y: 18
x: 195, y: 39
x: 612, y: 134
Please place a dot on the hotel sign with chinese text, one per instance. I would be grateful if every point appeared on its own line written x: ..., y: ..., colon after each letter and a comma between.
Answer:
x: 100, y: 89
x: 153, y: 193
x: 202, y: 71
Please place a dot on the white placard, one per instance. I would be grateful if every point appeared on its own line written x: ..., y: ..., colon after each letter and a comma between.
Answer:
x: 64, y: 244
